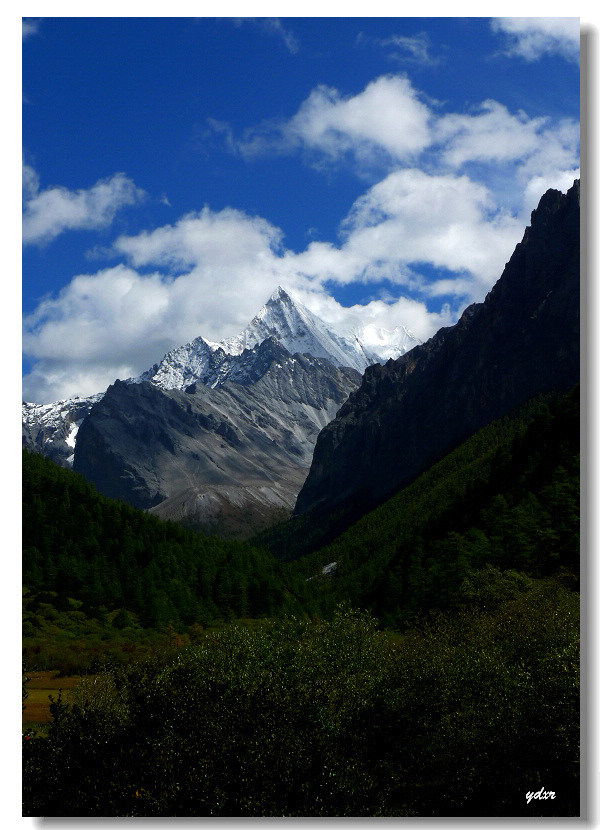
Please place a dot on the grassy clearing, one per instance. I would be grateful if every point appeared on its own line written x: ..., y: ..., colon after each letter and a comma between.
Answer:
x: 42, y: 684
x: 80, y: 655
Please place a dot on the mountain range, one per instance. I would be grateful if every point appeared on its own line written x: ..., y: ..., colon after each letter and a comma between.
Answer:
x: 216, y: 434
x: 221, y: 435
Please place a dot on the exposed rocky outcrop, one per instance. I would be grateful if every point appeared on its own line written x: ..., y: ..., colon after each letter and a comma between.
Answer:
x: 522, y: 340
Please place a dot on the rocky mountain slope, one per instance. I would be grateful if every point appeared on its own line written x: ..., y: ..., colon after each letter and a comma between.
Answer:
x: 232, y: 456
x: 219, y: 435
x: 522, y: 340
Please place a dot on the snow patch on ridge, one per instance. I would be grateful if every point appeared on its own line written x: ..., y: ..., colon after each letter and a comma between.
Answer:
x: 73, y: 430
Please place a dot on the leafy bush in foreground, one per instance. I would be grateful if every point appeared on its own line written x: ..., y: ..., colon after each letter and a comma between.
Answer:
x: 460, y: 717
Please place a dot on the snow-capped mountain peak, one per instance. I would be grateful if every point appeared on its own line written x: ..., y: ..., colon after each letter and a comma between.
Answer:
x: 288, y: 321
x: 185, y: 365
x: 298, y: 329
x: 52, y: 428
x: 283, y: 319
x: 387, y: 344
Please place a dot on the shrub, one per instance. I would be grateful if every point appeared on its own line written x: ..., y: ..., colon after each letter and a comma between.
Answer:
x: 330, y: 718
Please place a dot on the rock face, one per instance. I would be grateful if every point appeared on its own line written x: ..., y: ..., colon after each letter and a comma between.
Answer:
x: 231, y: 457
x: 522, y: 340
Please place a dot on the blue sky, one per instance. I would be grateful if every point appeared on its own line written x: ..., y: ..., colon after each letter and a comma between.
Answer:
x: 175, y: 171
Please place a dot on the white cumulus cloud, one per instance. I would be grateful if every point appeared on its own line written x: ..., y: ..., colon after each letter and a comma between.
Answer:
x: 213, y: 270
x: 448, y: 221
x: 48, y: 213
x: 387, y: 118
x: 31, y: 182
x: 516, y: 155
x: 491, y: 133
x: 388, y: 125
x: 532, y: 37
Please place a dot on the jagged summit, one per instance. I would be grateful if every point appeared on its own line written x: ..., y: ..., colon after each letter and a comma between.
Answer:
x: 51, y: 428
x: 184, y: 365
x: 298, y: 330
x: 285, y: 319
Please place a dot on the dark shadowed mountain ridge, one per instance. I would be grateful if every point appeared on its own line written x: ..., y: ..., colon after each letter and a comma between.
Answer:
x: 522, y: 340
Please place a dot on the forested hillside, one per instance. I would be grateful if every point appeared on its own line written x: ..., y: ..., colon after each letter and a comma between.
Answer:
x: 106, y: 553
x: 507, y: 499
